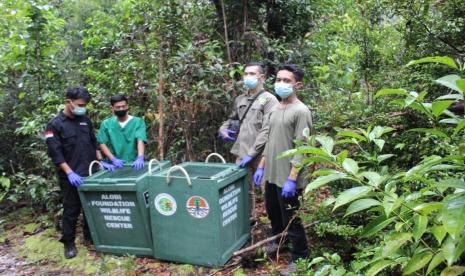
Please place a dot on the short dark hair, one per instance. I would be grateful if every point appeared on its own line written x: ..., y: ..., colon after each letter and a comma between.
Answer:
x: 260, y: 66
x: 76, y: 93
x: 118, y: 98
x: 294, y: 69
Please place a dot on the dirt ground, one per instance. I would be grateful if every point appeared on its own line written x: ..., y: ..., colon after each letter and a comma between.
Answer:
x: 29, y: 246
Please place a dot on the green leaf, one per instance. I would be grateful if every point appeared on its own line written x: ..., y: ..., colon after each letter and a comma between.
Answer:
x: 424, y: 165
x: 351, y: 194
x: 340, y: 157
x: 316, y: 261
x: 391, y: 202
x: 450, y: 81
x: 376, y: 225
x: 389, y: 91
x: 439, y: 232
x: 418, y: 261
x: 453, y: 271
x: 460, y: 248
x: 352, y: 134
x: 350, y: 166
x: 459, y: 127
x: 327, y: 143
x: 379, y: 143
x: 383, y: 157
x: 421, y: 222
x: 426, y: 208
x: 439, y: 106
x: 448, y: 249
x: 318, y: 159
x: 432, y: 131
x: 378, y: 266
x: 436, y: 59
x: 379, y: 131
x: 437, y: 260
x: 5, y: 182
x: 324, y: 171
x: 360, y: 205
x: 453, y: 215
x: 302, y: 150
x: 322, y: 180
x: 461, y: 84
x: 394, y: 242
x: 451, y: 121
x: 451, y: 97
x: 324, y: 270
x: 450, y: 183
x: 374, y: 179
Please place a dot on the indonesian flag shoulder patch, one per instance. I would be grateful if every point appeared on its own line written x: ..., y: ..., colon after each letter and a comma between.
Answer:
x: 48, y: 134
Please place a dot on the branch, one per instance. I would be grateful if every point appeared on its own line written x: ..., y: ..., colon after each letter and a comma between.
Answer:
x: 260, y: 243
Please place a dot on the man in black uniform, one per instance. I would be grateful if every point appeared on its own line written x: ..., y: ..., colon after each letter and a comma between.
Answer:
x: 72, y: 146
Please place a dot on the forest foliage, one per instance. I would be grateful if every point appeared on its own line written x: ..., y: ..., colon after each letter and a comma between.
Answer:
x: 385, y: 79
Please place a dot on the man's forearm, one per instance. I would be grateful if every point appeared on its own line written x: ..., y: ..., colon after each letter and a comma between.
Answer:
x: 262, y: 162
x: 106, y: 151
x: 65, y: 167
x: 294, y: 173
x: 140, y: 148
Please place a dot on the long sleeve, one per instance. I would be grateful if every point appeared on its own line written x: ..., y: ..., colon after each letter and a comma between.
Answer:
x: 260, y: 141
x: 233, y: 116
x: 54, y: 145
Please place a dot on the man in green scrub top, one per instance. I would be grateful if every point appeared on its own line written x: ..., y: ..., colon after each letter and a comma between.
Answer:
x: 283, y: 182
x: 122, y: 137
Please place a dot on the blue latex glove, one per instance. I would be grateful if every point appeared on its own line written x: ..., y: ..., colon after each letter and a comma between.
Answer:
x: 224, y: 134
x: 258, y: 175
x: 245, y: 161
x: 74, y: 179
x: 107, y: 166
x: 117, y: 162
x: 139, y: 163
x: 289, y: 188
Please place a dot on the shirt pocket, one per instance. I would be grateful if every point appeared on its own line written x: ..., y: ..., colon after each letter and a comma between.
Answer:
x: 256, y: 116
x: 69, y: 138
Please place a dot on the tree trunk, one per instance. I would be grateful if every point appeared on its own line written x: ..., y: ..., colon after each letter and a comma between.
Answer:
x: 225, y: 28
x: 161, y: 105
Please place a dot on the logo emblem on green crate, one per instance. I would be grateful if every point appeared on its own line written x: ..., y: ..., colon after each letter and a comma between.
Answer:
x: 198, y: 207
x: 165, y: 204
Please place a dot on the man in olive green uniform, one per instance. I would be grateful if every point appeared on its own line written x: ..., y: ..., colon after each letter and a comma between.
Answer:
x: 283, y: 183
x: 252, y: 135
x: 122, y: 137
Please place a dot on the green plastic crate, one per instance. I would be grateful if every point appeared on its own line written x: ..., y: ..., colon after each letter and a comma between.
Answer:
x: 117, y: 209
x: 201, y: 219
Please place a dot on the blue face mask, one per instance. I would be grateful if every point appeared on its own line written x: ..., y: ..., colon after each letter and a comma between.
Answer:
x: 250, y: 82
x: 78, y: 111
x: 283, y: 90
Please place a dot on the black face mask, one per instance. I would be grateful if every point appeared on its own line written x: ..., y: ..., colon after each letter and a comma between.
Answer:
x: 121, y: 113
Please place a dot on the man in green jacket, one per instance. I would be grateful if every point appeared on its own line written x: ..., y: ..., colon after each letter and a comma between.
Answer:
x: 283, y: 182
x: 252, y: 108
x: 122, y: 137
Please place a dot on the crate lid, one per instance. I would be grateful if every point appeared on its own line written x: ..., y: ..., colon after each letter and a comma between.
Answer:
x: 199, y: 170
x: 126, y: 172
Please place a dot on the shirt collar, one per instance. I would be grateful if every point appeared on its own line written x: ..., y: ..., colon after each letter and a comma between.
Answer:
x: 62, y: 116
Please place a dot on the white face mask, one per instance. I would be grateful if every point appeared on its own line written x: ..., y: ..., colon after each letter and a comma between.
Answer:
x: 283, y: 90
x: 77, y: 110
x: 250, y: 82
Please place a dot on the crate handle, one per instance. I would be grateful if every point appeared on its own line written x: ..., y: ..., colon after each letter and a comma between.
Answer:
x: 175, y: 168
x: 92, y: 164
x: 150, y: 165
x: 217, y: 155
